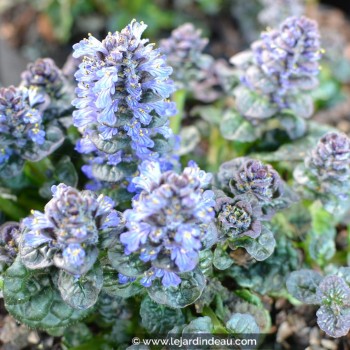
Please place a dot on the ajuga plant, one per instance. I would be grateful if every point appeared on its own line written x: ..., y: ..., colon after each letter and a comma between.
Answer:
x: 169, y: 222
x: 122, y: 107
x: 25, y: 135
x: 325, y: 173
x: 194, y: 71
x: 250, y: 194
x: 276, y: 76
x: 156, y: 239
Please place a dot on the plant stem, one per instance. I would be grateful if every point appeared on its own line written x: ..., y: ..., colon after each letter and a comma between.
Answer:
x: 179, y: 98
x: 218, y: 327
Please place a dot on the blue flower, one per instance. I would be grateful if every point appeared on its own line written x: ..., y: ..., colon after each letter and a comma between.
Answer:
x: 169, y: 221
x: 45, y: 75
x: 70, y: 227
x: 125, y: 279
x: 289, y: 56
x: 74, y: 255
x: 21, y: 126
x: 122, y: 93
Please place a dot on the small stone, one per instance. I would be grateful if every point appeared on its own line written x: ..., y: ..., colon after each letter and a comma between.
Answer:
x: 33, y: 338
x: 284, y: 332
x: 329, y: 344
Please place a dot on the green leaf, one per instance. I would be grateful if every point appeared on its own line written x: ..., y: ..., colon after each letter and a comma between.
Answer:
x: 190, y: 138
x: 158, y: 318
x: 109, y: 146
x: 211, y: 114
x: 113, y: 173
x: 128, y: 265
x: 30, y: 296
x: 162, y: 145
x: 185, y: 294
x: 65, y: 172
x: 54, y: 138
x: 112, y: 286
x: 234, y: 127
x: 252, y: 105
x: 37, y: 257
x: 206, y: 262
x: 199, y: 325
x: 322, y: 234
x: 302, y: 105
x: 303, y: 285
x: 260, y: 248
x: 221, y: 260
x: 77, y: 335
x: 81, y: 293
x: 242, y: 324
x: 294, y: 125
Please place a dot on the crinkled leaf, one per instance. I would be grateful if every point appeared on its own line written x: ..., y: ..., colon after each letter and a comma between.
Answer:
x: 261, y: 315
x: 77, y: 335
x: 211, y: 114
x: 12, y: 168
x: 322, y: 234
x: 190, y: 137
x: 260, y: 248
x: 199, y: 325
x: 15, y: 182
x: 112, y: 286
x: 113, y: 173
x: 37, y: 257
x: 128, y: 265
x: 259, y: 81
x: 158, y: 318
x: 269, y: 276
x: 109, y: 146
x: 294, y: 125
x: 189, y: 290
x: 344, y: 273
x: 162, y: 145
x: 335, y: 324
x: 222, y: 259
x: 242, y: 324
x: 321, y: 247
x: 65, y: 172
x: 252, y: 105
x: 302, y: 105
x: 53, y: 139
x: 32, y: 299
x: 234, y: 127
x: 81, y: 293
x: 210, y: 236
x: 303, y: 285
x: 206, y: 262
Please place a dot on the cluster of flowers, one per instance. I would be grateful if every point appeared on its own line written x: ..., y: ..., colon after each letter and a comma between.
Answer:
x: 196, y: 72
x: 25, y: 113
x: 122, y: 99
x: 20, y: 122
x: 252, y: 192
x: 279, y: 71
x: 326, y: 170
x: 169, y: 221
x: 67, y: 233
